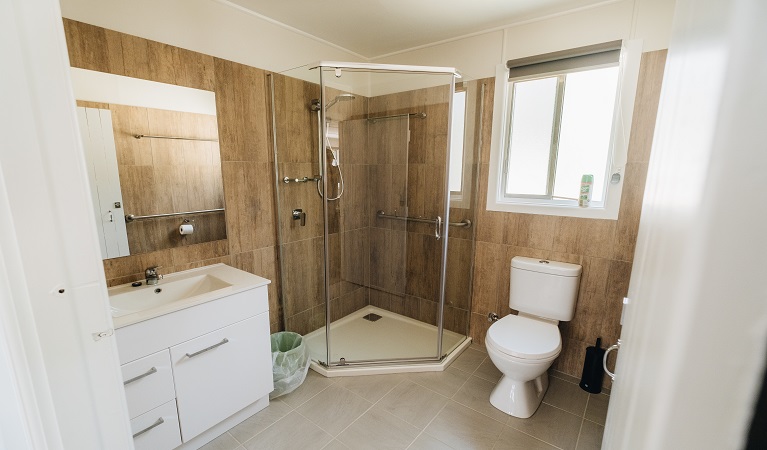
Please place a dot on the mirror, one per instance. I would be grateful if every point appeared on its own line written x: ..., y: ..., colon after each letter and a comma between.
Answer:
x: 153, y: 162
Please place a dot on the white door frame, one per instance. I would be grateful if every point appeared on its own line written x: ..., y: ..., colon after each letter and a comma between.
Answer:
x: 61, y: 384
x: 693, y: 342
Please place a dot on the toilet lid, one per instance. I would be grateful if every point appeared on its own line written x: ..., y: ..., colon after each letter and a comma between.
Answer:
x: 525, y: 338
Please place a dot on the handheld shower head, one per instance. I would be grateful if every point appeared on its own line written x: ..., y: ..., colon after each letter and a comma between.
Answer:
x: 340, y: 98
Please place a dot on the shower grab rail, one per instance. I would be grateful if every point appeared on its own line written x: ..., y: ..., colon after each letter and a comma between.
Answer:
x: 420, y: 115
x: 465, y: 223
x: 287, y: 180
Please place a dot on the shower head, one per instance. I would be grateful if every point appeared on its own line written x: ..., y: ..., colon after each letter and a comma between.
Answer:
x: 340, y: 98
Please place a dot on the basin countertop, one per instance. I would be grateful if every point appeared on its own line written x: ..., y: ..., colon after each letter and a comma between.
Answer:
x: 236, y: 279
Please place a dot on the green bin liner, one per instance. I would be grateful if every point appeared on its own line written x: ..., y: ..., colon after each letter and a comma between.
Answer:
x: 290, y: 362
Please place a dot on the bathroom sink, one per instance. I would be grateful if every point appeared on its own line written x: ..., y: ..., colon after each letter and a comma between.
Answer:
x: 131, y: 304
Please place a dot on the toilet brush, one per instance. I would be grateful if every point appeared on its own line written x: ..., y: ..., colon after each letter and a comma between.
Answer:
x: 591, y: 378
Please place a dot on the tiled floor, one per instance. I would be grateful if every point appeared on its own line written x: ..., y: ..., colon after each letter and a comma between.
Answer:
x: 435, y: 410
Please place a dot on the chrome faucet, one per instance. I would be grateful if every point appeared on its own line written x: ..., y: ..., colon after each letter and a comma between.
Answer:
x: 152, y: 277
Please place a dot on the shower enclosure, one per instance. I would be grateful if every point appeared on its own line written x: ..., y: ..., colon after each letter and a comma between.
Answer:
x: 376, y: 243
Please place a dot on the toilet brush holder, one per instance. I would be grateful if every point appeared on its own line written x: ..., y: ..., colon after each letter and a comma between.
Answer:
x: 591, y: 378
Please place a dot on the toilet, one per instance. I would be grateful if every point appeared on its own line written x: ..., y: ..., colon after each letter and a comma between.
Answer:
x: 524, y: 346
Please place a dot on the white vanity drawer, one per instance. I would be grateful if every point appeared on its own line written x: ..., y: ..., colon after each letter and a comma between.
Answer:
x: 148, y: 382
x: 221, y: 373
x: 157, y: 429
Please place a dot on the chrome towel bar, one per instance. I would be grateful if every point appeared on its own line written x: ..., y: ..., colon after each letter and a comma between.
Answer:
x: 147, y: 136
x: 420, y: 115
x: 131, y: 217
x: 465, y: 223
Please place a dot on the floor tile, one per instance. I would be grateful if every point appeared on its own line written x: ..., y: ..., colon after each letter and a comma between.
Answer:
x: 478, y: 347
x: 335, y: 444
x: 446, y: 383
x: 563, y: 376
x: 426, y: 442
x: 551, y: 425
x: 591, y: 436
x: 256, y: 423
x: 291, y: 432
x: 512, y: 439
x: 223, y: 442
x: 461, y: 427
x: 567, y: 396
x: 469, y: 360
x: 488, y: 371
x: 596, y: 410
x: 377, y: 429
x: 371, y: 387
x: 313, y: 385
x: 413, y: 403
x: 334, y: 409
x: 476, y: 395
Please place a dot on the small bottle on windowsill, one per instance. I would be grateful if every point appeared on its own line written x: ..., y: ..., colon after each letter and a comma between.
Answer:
x: 587, y: 185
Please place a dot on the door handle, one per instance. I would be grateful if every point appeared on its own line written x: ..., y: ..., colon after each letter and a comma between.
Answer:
x: 615, y: 346
x: 192, y: 355
x: 438, y: 227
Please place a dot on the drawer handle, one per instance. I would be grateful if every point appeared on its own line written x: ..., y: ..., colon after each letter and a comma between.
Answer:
x: 192, y: 355
x: 159, y: 422
x: 148, y: 372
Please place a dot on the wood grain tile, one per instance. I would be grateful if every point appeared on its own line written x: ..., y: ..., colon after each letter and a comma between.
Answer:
x: 651, y: 70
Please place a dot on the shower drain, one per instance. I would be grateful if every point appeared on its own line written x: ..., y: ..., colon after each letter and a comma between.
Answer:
x: 372, y: 317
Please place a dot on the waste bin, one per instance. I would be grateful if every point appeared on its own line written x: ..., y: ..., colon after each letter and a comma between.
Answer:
x: 290, y: 362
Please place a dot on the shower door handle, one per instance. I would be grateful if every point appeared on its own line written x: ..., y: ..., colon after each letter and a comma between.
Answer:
x: 438, y: 227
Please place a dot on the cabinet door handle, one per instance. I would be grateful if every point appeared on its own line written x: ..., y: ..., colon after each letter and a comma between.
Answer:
x: 136, y: 378
x: 159, y: 422
x: 192, y: 355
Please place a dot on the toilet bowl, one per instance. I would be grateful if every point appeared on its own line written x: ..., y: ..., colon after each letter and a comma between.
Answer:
x: 522, y: 349
x: 524, y: 346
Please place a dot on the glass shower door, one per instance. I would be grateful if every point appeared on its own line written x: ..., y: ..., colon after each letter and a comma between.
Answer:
x: 385, y: 166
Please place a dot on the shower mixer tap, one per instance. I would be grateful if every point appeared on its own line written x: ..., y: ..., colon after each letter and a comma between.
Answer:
x: 299, y: 214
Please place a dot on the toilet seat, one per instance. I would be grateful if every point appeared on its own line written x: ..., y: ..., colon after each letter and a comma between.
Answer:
x: 525, y: 338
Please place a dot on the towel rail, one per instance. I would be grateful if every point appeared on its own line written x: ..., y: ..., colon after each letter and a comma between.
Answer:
x: 132, y: 217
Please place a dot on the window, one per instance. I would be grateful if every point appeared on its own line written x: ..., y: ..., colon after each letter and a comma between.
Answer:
x: 456, y: 143
x: 558, y: 117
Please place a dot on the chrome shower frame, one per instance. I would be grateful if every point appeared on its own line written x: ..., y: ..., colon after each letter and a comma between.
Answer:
x: 444, y: 225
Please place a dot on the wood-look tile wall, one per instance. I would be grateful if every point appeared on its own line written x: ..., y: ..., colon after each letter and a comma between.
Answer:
x: 605, y: 248
x: 409, y: 178
x: 245, y: 150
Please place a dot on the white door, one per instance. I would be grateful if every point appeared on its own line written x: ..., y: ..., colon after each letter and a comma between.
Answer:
x: 693, y: 341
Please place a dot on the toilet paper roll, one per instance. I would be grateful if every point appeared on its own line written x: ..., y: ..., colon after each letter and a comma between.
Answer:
x: 186, y: 228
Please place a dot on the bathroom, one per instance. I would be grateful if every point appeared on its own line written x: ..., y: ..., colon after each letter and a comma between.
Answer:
x: 186, y: 44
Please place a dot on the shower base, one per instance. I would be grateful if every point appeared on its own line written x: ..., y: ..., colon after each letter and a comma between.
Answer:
x: 393, y: 336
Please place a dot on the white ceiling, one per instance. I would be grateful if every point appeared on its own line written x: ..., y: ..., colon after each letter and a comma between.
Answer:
x: 373, y: 28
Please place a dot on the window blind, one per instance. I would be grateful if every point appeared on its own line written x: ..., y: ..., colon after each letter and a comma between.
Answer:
x: 565, y: 60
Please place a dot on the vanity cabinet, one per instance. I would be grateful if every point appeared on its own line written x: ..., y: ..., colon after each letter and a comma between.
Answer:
x: 191, y: 374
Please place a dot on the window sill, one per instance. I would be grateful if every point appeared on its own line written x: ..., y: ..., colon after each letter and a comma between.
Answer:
x: 592, y: 212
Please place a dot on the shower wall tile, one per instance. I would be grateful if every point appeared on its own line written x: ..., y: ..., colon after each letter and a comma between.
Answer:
x: 241, y: 106
x: 458, y: 273
x: 303, y: 284
x: 355, y: 257
x: 423, y: 266
x: 354, y: 202
x: 387, y: 259
x: 249, y: 205
x: 296, y: 123
x: 604, y: 248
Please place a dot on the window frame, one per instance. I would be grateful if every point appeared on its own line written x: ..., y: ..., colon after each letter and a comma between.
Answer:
x: 498, y: 200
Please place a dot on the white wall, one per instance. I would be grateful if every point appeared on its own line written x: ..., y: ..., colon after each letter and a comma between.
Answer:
x: 207, y: 26
x: 476, y: 56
